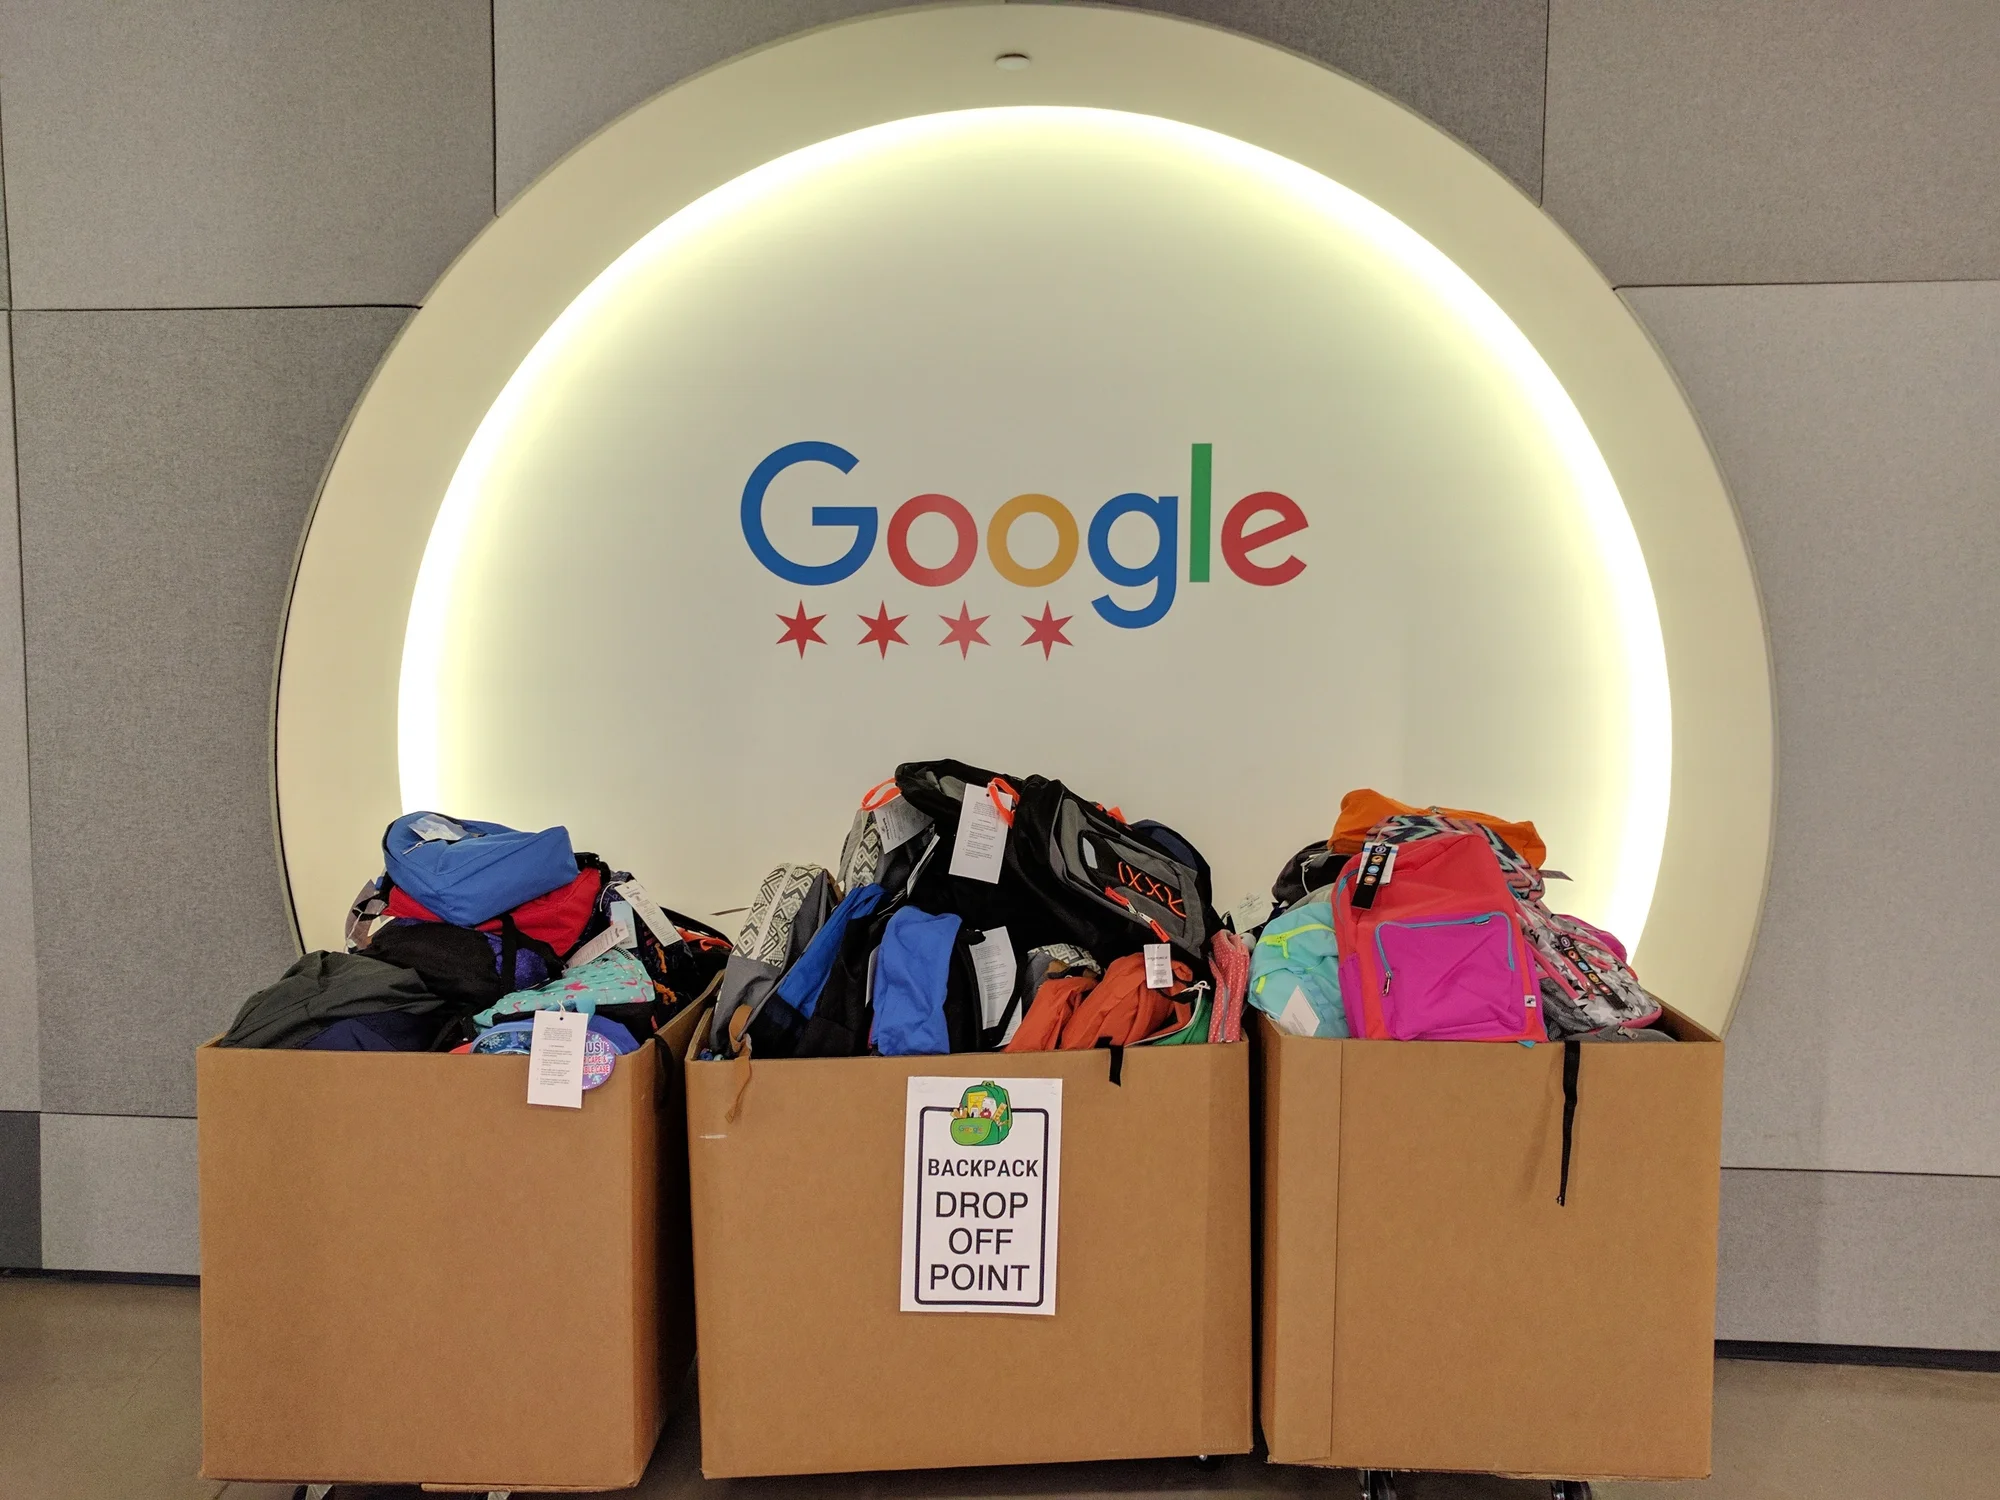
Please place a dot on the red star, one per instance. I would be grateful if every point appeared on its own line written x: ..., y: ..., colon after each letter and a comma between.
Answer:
x: 1047, y: 632
x: 801, y: 628
x: 963, y: 632
x: 882, y: 629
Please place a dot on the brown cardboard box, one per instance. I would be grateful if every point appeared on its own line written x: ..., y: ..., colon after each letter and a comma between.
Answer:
x: 411, y: 1275
x: 808, y: 1366
x: 1425, y: 1302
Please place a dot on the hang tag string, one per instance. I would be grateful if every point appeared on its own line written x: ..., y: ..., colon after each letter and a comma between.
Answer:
x: 998, y: 788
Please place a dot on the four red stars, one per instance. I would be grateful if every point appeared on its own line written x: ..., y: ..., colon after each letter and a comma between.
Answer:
x: 882, y: 629
x: 1047, y: 632
x: 963, y: 632
x: 801, y: 628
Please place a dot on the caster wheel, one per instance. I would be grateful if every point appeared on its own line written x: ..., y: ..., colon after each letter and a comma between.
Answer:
x: 1377, y: 1484
x: 1569, y: 1489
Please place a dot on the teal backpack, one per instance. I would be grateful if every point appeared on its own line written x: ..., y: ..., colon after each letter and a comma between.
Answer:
x: 1295, y: 972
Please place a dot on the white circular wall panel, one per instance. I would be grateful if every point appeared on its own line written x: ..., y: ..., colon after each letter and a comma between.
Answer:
x: 1078, y: 435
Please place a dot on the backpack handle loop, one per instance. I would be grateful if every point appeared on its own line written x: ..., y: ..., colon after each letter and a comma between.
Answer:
x: 880, y: 795
x: 998, y: 788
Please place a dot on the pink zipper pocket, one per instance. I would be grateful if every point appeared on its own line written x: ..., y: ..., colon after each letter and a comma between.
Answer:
x: 1450, y: 978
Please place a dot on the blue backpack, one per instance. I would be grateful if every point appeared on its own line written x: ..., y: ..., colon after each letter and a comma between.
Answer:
x: 465, y: 873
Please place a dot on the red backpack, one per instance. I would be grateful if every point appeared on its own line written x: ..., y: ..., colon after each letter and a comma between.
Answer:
x: 1432, y: 947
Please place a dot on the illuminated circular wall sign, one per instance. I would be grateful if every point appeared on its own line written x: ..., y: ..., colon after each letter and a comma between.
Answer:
x: 1172, y: 416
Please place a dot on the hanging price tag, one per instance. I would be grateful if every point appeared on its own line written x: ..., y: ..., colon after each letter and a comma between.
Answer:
x: 661, y: 925
x: 898, y: 823
x: 994, y: 966
x: 555, y: 1058
x: 596, y: 948
x: 623, y: 922
x: 1159, y: 966
x: 981, y: 845
x: 1377, y: 863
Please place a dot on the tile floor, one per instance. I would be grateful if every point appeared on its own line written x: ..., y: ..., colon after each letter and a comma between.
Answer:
x: 100, y: 1395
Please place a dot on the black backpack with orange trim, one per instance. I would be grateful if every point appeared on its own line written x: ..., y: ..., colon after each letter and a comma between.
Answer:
x: 1074, y: 871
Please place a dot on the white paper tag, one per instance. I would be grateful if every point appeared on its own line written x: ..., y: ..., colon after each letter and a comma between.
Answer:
x: 982, y: 838
x: 993, y: 965
x: 1159, y: 966
x: 982, y: 1178
x: 431, y: 829
x: 1298, y: 1016
x: 597, y: 947
x: 649, y: 912
x: 555, y: 1058
x: 1251, y: 911
x: 623, y: 923
x: 1389, y: 865
x: 898, y: 823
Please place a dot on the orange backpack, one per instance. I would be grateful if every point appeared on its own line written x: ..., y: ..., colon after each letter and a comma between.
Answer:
x: 1073, y: 1014
x: 1361, y: 810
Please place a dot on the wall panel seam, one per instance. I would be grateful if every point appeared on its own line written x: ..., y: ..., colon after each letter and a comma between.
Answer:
x: 1870, y: 1172
x: 240, y: 307
x: 1548, y: 40
x: 493, y: 94
x: 1677, y: 286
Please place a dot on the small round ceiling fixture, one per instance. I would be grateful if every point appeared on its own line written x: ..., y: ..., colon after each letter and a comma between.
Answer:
x: 1012, y: 62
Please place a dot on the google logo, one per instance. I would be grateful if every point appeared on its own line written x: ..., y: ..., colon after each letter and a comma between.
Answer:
x: 1253, y: 523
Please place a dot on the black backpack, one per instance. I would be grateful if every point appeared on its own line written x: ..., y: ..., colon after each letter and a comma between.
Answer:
x: 458, y: 964
x: 1072, y: 872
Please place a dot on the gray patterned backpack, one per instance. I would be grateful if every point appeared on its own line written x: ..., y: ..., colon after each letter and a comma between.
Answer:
x: 791, y: 903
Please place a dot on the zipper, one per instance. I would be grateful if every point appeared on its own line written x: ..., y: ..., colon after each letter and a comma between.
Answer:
x: 1382, y: 953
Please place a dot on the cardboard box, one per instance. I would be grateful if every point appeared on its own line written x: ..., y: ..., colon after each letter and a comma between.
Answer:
x: 410, y: 1275
x: 1425, y: 1303
x: 808, y: 1366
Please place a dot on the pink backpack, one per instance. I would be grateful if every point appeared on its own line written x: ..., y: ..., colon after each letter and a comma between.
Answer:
x: 1584, y: 979
x: 1431, y: 944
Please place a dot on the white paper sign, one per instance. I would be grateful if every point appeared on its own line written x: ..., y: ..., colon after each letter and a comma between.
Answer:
x: 555, y: 1058
x: 1159, y: 966
x: 898, y: 823
x: 982, y: 838
x: 982, y: 1180
x: 993, y: 965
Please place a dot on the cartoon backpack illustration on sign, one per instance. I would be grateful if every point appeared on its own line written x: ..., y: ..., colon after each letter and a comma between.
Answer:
x: 983, y: 1117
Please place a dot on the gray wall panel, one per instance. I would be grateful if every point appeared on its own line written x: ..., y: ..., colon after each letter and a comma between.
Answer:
x: 1477, y: 70
x: 1860, y: 1258
x: 1751, y: 141
x: 232, y: 153
x: 118, y: 1194
x: 1856, y: 426
x: 567, y: 67
x: 563, y: 68
x: 20, y: 1086
x: 167, y: 464
x: 20, y: 1189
